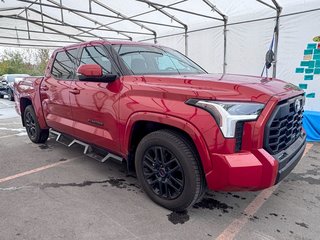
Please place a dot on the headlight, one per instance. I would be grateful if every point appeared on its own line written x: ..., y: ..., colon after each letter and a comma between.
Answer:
x: 227, y: 114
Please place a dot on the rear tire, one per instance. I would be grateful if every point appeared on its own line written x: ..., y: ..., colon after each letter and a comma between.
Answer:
x: 35, y: 133
x: 168, y: 169
x: 1, y: 96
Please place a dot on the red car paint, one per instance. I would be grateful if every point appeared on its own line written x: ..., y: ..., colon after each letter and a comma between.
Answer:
x: 67, y: 105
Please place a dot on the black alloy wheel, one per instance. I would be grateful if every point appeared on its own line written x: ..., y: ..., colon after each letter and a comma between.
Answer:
x: 30, y: 124
x: 163, y: 172
x: 35, y: 133
x: 169, y: 170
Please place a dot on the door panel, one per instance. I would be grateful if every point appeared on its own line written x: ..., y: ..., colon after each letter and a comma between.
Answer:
x: 55, y: 92
x: 94, y: 112
x: 95, y: 105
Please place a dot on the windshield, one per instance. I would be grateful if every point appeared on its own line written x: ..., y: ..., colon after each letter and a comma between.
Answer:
x: 142, y: 60
x: 11, y: 78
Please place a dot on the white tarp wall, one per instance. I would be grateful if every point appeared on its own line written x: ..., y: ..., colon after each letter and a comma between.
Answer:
x: 249, y: 31
x: 248, y: 42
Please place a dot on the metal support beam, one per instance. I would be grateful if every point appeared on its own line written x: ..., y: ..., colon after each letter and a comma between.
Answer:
x: 86, y: 27
x: 6, y: 44
x: 215, y: 9
x: 225, y: 22
x: 90, y: 6
x: 66, y: 24
x: 17, y: 35
x: 49, y: 28
x: 267, y: 4
x: 185, y: 26
x: 41, y: 15
x: 11, y: 9
x: 90, y: 19
x: 31, y: 3
x: 102, y: 15
x: 61, y: 12
x: 126, y: 17
x: 28, y: 28
x: 37, y: 39
x: 278, y: 8
x: 40, y: 32
x: 179, y: 10
x: 144, y: 13
x: 138, y: 15
x: 276, y: 38
x: 224, y: 68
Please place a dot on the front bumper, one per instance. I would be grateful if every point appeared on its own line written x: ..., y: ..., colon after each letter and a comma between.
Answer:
x: 3, y: 91
x: 253, y: 170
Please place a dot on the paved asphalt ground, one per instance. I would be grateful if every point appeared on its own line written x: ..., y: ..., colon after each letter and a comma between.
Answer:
x: 70, y: 196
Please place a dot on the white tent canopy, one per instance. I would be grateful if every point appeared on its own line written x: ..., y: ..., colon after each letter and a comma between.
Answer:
x: 231, y: 36
x: 28, y: 21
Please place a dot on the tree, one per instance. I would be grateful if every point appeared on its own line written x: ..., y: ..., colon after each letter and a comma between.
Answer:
x: 30, y: 61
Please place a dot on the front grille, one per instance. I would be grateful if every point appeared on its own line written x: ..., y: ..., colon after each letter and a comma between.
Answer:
x: 284, y: 127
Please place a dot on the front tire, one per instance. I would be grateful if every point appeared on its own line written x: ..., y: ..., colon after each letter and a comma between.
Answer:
x: 168, y: 169
x: 35, y: 133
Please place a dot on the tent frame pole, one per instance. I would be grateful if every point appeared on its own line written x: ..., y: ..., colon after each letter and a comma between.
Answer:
x: 49, y: 28
x: 178, y: 9
x: 278, y: 8
x: 225, y: 22
x: 50, y: 33
x: 27, y: 18
x: 41, y: 15
x: 102, y: 15
x: 89, y: 19
x: 144, y: 13
x: 61, y: 12
x: 63, y: 23
x: 185, y: 26
x: 126, y: 17
x: 276, y: 36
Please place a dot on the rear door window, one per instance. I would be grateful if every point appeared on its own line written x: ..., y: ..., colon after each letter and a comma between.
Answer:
x: 64, y: 64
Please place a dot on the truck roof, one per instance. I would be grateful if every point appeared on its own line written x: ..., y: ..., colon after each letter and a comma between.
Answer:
x: 105, y: 42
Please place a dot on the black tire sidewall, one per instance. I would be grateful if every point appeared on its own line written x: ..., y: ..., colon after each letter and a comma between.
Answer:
x: 36, y: 138
x: 190, y: 185
x: 10, y: 95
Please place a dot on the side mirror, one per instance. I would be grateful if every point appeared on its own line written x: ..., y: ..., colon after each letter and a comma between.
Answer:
x: 93, y: 73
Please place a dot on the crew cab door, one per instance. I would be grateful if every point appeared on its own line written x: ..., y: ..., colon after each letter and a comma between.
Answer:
x: 55, y: 91
x: 95, y: 105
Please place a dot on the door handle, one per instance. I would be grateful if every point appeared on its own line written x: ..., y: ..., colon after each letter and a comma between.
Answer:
x: 74, y: 91
x: 44, y: 88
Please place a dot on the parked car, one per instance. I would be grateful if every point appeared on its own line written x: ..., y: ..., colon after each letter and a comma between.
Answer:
x: 10, y: 79
x: 179, y: 128
x: 3, y: 87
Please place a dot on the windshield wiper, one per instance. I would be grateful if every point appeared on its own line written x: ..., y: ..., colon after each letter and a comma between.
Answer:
x: 144, y: 51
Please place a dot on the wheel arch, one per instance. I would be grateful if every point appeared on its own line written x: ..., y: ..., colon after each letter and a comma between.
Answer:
x: 142, y: 123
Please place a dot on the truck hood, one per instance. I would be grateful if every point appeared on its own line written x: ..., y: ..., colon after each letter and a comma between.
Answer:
x: 227, y: 86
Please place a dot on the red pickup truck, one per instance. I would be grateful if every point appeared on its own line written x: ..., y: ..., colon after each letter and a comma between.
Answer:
x: 179, y: 128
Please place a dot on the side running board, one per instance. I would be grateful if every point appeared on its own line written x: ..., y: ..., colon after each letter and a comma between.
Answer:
x: 94, y: 152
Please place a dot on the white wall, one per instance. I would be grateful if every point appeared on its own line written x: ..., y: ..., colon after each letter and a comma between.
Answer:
x: 247, y: 44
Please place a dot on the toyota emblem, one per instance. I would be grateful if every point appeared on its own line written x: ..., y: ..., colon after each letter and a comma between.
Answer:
x: 297, y: 105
